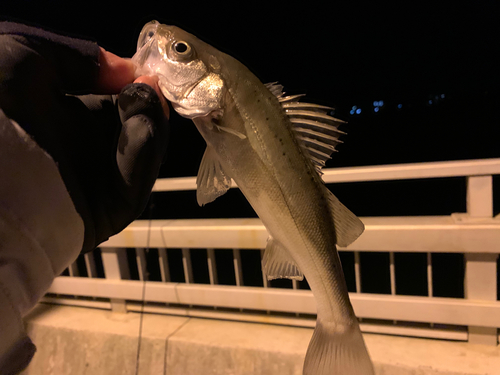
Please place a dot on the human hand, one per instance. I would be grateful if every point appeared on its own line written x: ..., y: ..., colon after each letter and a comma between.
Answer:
x: 108, y: 149
x: 116, y: 72
x: 74, y: 170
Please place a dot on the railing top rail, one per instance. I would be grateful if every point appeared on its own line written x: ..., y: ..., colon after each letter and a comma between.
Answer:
x: 459, y: 168
x: 455, y: 234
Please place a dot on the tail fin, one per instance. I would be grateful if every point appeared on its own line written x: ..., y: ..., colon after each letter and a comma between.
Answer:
x: 337, y: 353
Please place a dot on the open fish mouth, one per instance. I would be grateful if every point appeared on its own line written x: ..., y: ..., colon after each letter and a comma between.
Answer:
x: 148, y: 32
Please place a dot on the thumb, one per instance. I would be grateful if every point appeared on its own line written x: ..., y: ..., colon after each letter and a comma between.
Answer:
x: 142, y: 142
x: 39, y: 58
x: 114, y: 73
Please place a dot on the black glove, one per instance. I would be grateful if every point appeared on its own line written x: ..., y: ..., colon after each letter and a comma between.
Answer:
x: 108, y: 150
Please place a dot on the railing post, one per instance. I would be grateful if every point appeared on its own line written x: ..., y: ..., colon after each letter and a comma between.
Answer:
x: 212, y: 268
x: 90, y: 264
x: 187, y: 266
x: 481, y: 269
x: 73, y: 269
x: 114, y: 261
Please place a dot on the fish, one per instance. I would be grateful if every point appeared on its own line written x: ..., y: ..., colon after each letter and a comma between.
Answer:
x: 273, y: 146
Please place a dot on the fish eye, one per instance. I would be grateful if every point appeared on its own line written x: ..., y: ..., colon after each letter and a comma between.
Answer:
x: 182, y: 48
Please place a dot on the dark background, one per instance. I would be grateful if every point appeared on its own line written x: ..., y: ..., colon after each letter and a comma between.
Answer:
x: 438, y: 61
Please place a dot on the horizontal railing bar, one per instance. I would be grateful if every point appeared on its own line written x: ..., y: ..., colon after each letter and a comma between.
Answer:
x: 402, y: 308
x: 434, y: 333
x: 225, y: 315
x: 412, y: 171
x: 306, y: 322
x: 104, y: 305
x: 400, y: 234
x: 408, y: 171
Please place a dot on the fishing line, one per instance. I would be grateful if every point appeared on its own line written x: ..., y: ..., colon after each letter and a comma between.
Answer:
x: 144, y: 277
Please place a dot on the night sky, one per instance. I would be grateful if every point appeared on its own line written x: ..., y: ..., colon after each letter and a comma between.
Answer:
x: 438, y: 62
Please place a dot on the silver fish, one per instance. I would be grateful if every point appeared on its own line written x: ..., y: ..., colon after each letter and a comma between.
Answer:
x: 273, y: 147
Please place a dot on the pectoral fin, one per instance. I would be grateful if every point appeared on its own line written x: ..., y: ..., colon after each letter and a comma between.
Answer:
x: 278, y: 264
x: 231, y: 131
x: 212, y: 180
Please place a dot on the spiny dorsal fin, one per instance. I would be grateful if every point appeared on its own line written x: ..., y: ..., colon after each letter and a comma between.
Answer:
x: 278, y: 263
x: 275, y: 88
x: 316, y: 130
x: 318, y: 134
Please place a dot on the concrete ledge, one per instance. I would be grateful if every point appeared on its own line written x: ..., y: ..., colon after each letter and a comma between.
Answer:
x: 75, y: 340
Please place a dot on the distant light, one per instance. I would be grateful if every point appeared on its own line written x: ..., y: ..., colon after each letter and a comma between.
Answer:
x: 442, y: 96
x: 376, y: 109
x: 352, y: 111
x: 354, y: 107
x: 400, y: 106
x: 375, y: 104
x: 358, y: 111
x: 430, y: 101
x: 380, y: 103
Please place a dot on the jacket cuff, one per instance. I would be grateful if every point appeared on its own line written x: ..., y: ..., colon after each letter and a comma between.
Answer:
x: 16, y: 348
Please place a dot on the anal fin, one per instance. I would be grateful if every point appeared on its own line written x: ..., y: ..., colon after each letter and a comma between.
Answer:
x: 278, y: 263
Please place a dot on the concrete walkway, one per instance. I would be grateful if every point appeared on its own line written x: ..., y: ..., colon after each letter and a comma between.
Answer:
x: 74, y: 340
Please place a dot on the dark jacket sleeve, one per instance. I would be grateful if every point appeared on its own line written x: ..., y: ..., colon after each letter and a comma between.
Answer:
x: 40, y: 234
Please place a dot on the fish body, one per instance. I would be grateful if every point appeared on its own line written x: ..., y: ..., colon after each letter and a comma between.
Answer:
x: 272, y: 146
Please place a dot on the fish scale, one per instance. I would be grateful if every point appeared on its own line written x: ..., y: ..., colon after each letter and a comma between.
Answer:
x: 274, y: 158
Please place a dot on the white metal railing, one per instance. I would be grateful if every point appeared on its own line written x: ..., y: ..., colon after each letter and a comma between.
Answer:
x: 476, y: 234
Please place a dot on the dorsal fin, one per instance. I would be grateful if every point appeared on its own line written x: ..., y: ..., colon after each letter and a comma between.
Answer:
x: 316, y: 130
x: 348, y: 227
x: 318, y: 134
x: 275, y: 88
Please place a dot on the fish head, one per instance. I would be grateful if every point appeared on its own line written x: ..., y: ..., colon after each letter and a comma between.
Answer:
x: 188, y: 71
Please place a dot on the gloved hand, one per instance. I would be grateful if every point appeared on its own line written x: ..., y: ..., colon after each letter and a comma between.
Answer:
x: 74, y: 170
x: 108, y: 153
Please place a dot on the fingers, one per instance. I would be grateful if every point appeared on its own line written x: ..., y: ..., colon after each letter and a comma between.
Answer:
x: 153, y: 82
x: 142, y: 144
x: 114, y: 73
x: 80, y: 66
